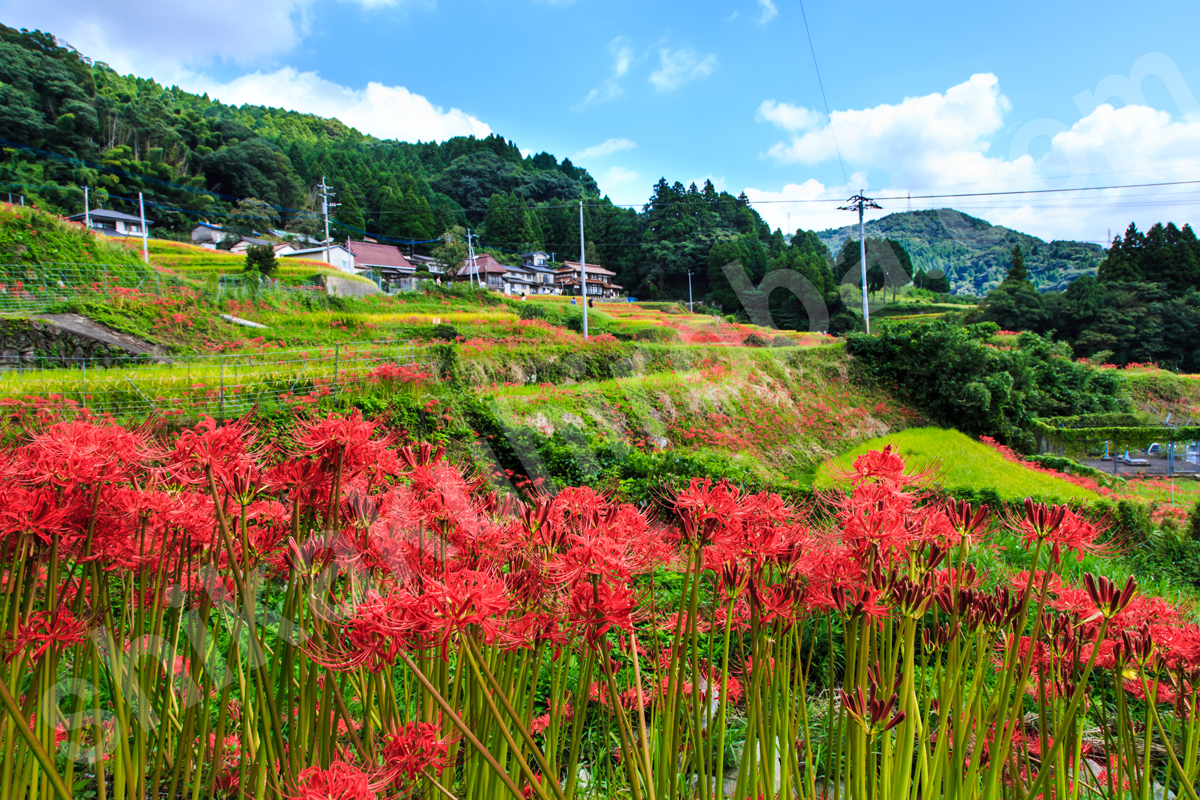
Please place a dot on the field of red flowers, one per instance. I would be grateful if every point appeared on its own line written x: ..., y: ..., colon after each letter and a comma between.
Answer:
x: 336, y: 614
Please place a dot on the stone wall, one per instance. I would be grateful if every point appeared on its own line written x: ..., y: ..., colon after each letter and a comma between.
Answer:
x: 31, y: 344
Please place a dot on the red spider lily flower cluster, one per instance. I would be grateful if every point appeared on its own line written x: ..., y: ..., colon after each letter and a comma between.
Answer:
x: 340, y: 614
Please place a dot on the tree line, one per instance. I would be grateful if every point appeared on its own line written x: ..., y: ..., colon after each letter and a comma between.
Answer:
x: 67, y: 122
x: 1143, y: 305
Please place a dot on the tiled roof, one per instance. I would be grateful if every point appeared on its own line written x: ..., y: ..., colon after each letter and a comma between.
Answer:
x: 102, y: 213
x: 485, y: 264
x: 594, y: 269
x: 373, y: 254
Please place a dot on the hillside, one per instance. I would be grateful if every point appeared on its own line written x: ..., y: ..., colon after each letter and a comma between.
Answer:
x: 974, y: 253
x: 69, y: 122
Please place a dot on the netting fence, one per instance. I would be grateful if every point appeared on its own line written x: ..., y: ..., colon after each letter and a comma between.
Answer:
x: 225, y: 385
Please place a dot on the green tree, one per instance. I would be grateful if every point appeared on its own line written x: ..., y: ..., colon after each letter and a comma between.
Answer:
x: 349, y: 218
x: 1017, y: 271
x: 261, y: 259
x: 252, y: 215
x: 507, y: 223
x: 451, y: 253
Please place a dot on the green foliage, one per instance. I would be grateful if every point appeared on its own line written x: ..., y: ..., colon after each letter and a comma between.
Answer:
x: 447, y: 333
x: 1017, y: 271
x: 952, y: 372
x: 754, y: 340
x: 261, y: 259
x: 1166, y: 255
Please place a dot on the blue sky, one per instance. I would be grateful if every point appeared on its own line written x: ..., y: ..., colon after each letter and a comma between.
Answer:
x: 929, y: 98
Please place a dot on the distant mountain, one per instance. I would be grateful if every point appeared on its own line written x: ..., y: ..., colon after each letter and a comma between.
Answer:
x: 974, y: 253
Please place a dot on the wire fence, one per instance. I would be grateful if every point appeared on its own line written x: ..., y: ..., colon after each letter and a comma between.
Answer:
x: 32, y: 288
x: 224, y: 385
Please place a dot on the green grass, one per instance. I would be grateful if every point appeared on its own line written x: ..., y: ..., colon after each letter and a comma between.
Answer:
x: 955, y: 460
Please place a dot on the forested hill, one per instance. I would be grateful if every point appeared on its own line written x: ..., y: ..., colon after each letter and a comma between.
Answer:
x: 66, y: 122
x: 974, y: 253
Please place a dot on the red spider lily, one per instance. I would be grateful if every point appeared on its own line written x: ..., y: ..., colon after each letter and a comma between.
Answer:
x: 45, y: 631
x: 1059, y: 526
x: 706, y: 509
x: 965, y: 521
x: 465, y: 598
x: 883, y: 466
x: 873, y: 713
x: 339, y: 782
x: 344, y: 441
x: 595, y: 607
x: 33, y: 512
x: 69, y: 454
x: 1104, y: 593
x: 410, y: 750
x: 225, y: 449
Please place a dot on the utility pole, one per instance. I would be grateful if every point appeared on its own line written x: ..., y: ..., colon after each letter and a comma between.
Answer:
x: 87, y: 213
x: 145, y: 247
x: 326, y: 191
x: 583, y: 271
x: 471, y: 258
x: 690, y: 311
x: 859, y: 203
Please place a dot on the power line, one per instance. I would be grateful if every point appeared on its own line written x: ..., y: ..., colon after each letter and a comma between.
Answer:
x: 821, y: 84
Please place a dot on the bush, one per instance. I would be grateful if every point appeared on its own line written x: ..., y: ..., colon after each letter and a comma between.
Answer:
x: 261, y: 259
x: 754, y: 340
x: 1193, y: 522
x: 952, y: 372
x: 531, y: 311
x: 447, y: 333
x: 781, y: 341
x: 659, y: 334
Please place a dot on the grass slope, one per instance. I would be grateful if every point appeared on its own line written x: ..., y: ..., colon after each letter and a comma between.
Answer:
x: 955, y: 460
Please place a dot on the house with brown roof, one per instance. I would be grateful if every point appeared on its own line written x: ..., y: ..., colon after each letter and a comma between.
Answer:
x: 386, y: 259
x: 599, y: 280
x: 486, y: 269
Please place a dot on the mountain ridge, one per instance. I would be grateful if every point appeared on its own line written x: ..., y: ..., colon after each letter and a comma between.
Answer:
x: 974, y: 253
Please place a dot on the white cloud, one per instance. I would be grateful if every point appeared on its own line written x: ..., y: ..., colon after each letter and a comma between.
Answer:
x: 618, y: 175
x: 621, y: 185
x: 677, y: 67
x: 622, y: 53
x: 769, y: 11
x: 389, y: 112
x: 162, y: 39
x: 787, y: 116
x: 621, y: 50
x: 605, y: 148
x: 942, y: 143
x: 600, y: 94
x: 929, y: 126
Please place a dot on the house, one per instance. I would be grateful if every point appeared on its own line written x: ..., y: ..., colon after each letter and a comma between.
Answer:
x: 519, y: 280
x: 427, y: 263
x: 111, y: 223
x: 208, y: 235
x: 490, y: 272
x: 384, y: 259
x: 338, y: 256
x: 599, y: 280
x: 541, y: 266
